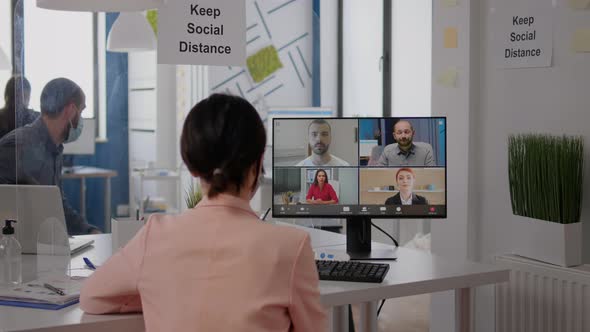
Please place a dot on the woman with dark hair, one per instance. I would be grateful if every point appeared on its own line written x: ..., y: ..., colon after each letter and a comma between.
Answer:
x: 215, y: 267
x: 15, y: 113
x: 320, y: 191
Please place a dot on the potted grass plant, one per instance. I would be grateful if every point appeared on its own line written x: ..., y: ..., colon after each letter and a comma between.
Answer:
x: 193, y: 195
x: 546, y: 177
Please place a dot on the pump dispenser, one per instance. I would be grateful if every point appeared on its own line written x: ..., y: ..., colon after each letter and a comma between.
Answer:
x: 10, y: 257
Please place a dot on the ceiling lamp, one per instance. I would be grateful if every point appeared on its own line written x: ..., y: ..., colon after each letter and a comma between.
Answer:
x: 4, y: 63
x: 131, y: 32
x: 99, y: 5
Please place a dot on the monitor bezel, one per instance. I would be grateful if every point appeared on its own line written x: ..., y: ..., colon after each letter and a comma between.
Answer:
x: 372, y: 216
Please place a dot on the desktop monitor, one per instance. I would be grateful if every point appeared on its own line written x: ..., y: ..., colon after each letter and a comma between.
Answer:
x: 359, y: 169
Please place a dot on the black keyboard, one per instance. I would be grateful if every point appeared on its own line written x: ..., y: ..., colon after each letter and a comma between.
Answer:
x: 351, y: 271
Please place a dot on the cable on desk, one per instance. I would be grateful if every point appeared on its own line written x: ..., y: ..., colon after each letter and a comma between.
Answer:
x: 384, y: 232
x: 381, y: 306
x: 397, y: 245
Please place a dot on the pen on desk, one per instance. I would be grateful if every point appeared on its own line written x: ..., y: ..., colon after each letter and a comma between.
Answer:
x: 54, y: 289
x: 89, y: 263
x: 262, y: 217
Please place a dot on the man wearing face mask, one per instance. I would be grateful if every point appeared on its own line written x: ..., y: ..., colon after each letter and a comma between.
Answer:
x: 406, y: 152
x: 34, y: 154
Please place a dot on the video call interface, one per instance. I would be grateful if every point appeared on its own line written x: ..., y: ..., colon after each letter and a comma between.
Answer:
x: 376, y: 167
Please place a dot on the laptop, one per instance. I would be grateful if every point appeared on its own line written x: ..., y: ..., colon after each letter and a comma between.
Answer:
x: 41, y: 223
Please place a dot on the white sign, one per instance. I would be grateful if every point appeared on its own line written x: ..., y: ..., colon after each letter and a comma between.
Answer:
x: 202, y: 32
x: 522, y: 34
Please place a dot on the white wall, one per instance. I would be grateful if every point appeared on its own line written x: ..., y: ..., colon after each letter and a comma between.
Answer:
x: 411, y: 58
x: 552, y: 100
x: 487, y: 105
x: 329, y: 53
x: 451, y: 237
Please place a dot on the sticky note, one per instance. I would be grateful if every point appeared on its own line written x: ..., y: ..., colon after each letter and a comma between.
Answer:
x: 579, y: 4
x: 448, y: 78
x: 152, y: 17
x: 450, y: 38
x: 262, y: 64
x: 581, y: 41
x: 449, y: 3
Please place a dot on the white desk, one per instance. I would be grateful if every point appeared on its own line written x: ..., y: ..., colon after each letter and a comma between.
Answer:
x: 84, y: 172
x: 414, y: 273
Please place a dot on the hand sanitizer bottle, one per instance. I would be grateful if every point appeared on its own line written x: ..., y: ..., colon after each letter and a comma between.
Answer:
x: 10, y: 257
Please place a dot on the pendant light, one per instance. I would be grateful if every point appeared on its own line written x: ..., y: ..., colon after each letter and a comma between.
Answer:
x: 100, y: 5
x: 131, y: 32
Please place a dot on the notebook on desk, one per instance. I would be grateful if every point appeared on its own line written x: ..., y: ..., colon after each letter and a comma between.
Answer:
x: 41, y: 222
x: 78, y: 245
x: 33, y: 294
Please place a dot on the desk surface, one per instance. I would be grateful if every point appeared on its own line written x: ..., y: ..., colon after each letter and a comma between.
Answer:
x: 78, y: 172
x: 415, y: 272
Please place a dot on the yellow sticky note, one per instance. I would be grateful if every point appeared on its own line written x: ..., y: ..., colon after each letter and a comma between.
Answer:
x: 450, y: 3
x: 448, y: 78
x: 581, y: 41
x: 579, y: 4
x: 450, y: 39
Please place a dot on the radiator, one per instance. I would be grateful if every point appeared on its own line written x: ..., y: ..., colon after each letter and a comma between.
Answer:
x: 542, y: 298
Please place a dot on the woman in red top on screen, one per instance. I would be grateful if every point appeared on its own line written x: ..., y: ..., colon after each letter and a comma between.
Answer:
x: 321, y: 192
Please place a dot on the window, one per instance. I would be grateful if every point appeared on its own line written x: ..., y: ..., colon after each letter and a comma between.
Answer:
x: 5, y: 41
x: 66, y: 44
x: 362, y: 52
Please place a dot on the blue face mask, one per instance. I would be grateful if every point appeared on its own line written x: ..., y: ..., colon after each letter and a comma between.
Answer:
x: 74, y: 133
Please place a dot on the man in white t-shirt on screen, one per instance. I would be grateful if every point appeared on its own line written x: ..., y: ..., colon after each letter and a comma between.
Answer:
x: 320, y: 136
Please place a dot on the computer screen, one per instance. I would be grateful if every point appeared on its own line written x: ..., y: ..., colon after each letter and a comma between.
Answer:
x: 369, y: 167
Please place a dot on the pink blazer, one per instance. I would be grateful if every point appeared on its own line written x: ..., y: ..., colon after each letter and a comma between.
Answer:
x: 216, y: 267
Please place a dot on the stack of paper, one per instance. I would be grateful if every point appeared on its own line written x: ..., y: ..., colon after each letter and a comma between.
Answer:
x: 33, y: 294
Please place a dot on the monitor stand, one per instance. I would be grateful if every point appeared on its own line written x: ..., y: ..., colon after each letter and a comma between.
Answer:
x: 358, y: 241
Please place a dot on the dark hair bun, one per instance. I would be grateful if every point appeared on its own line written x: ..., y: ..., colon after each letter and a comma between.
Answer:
x: 222, y: 138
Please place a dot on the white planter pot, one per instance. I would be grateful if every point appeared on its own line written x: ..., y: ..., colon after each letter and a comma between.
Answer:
x: 550, y: 242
